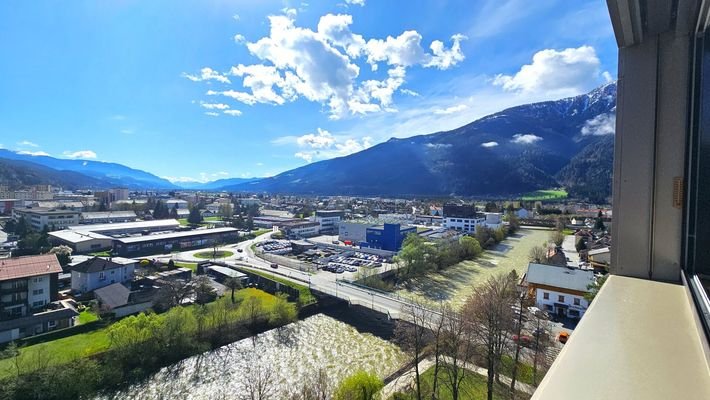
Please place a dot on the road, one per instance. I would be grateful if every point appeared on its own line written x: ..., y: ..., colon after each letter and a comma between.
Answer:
x: 322, y: 281
x: 570, y: 250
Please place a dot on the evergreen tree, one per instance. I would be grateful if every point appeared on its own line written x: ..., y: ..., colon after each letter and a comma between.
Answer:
x: 195, y: 217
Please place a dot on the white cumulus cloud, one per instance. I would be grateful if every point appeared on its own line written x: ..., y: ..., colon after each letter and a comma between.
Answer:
x: 322, y: 65
x: 527, y: 138
x: 323, y: 139
x: 33, y: 153
x: 451, y: 110
x: 360, y: 3
x: 602, y: 124
x: 489, y: 144
x: 212, y: 114
x: 214, y: 106
x: 27, y: 143
x: 82, y: 154
x: 562, y: 73
x: 207, y: 74
x: 233, y: 113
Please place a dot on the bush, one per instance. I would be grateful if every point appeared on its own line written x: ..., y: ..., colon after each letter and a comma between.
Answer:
x: 359, y: 386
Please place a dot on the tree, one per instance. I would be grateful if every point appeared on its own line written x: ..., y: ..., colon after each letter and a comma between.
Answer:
x: 594, y: 288
x: 195, y: 217
x: 538, y: 254
x: 259, y: 378
x: 557, y: 237
x: 359, y: 386
x: 489, y: 312
x: 513, y: 222
x: 457, y: 345
x: 491, y: 207
x: 411, y: 335
x: 172, y: 292
x: 252, y: 310
x: 250, y: 223
x: 414, y: 257
x: 599, y: 224
x: 174, y: 211
x: 470, y: 247
x: 226, y: 211
x: 204, y: 292
x: 233, y: 284
x: 483, y: 235
x: 560, y: 224
x: 315, y: 386
x: 63, y: 254
x: 580, y: 244
x: 542, y: 342
x: 282, y: 312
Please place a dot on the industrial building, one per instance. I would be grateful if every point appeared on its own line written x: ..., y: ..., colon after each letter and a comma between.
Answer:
x: 387, y: 237
x: 81, y: 241
x: 328, y: 220
x: 167, y: 242
x: 38, y: 217
x: 107, y: 217
x: 159, y: 225
x: 301, y: 228
x: 463, y: 218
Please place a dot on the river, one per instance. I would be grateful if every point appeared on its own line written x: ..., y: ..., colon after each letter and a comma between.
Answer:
x: 455, y: 284
x: 285, y: 355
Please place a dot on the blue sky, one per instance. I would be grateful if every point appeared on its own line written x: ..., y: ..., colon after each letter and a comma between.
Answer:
x: 202, y: 90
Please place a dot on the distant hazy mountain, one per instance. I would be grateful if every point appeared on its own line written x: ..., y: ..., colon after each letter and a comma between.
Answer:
x: 215, y: 185
x: 18, y: 173
x: 524, y: 148
x: 111, y: 174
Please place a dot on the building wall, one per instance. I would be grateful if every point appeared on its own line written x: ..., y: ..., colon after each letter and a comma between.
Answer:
x: 390, y: 237
x: 553, y: 297
x: 38, y: 291
x: 328, y: 224
x: 467, y: 225
x: 353, y: 231
x: 90, y: 281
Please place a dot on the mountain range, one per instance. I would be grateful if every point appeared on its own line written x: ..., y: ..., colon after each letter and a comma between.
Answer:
x: 568, y: 142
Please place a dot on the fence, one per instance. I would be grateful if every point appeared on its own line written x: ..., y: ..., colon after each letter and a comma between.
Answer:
x: 285, y: 261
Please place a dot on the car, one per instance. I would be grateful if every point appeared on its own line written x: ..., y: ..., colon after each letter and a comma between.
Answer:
x: 563, y: 337
x: 274, y: 265
x: 522, y: 340
x: 240, y: 250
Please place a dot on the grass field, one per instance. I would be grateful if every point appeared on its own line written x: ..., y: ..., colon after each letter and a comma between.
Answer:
x: 87, y: 316
x: 473, y: 387
x: 205, y: 221
x: 56, y: 352
x: 260, y: 232
x: 192, y: 266
x: 304, y: 292
x: 550, y: 194
x: 67, y: 349
x: 211, y: 254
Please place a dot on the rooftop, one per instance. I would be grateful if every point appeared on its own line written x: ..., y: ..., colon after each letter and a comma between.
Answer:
x: 174, y: 235
x: 46, y: 211
x: 108, y: 214
x: 77, y: 236
x: 159, y: 223
x: 561, y: 277
x: 25, y: 267
x: 97, y: 264
x: 114, y: 295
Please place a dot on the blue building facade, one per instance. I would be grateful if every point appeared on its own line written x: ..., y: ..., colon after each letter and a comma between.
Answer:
x: 388, y: 236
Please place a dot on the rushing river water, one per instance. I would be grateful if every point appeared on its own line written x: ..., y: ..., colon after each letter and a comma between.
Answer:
x: 287, y: 355
x: 455, y: 284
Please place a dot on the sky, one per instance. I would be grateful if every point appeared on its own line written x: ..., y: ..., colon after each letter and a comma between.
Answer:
x: 212, y: 89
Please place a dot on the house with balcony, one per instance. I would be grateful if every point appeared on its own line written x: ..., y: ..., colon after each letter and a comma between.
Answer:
x: 28, y: 295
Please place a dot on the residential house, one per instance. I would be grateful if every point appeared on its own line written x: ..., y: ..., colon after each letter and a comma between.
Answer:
x: 119, y: 300
x: 558, y: 290
x: 98, y: 272
x: 28, y: 294
x: 600, y: 258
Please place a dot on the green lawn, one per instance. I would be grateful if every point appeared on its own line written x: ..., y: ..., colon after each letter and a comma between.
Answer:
x: 525, y: 371
x: 66, y: 349
x: 567, y: 231
x: 473, y: 387
x: 58, y: 351
x: 550, y: 194
x: 304, y: 292
x: 87, y: 316
x: 260, y: 232
x: 183, y: 221
x: 101, y: 254
x: 192, y: 266
x: 211, y: 254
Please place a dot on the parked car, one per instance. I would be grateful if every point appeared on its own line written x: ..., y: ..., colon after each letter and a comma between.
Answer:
x: 522, y: 340
x: 274, y: 265
x: 240, y: 250
x: 563, y: 337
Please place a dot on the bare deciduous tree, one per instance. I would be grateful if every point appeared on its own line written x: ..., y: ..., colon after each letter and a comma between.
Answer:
x: 491, y: 318
x: 457, y: 346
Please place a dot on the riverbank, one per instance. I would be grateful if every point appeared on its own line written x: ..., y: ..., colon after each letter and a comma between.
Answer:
x: 455, y: 283
x: 132, y: 348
